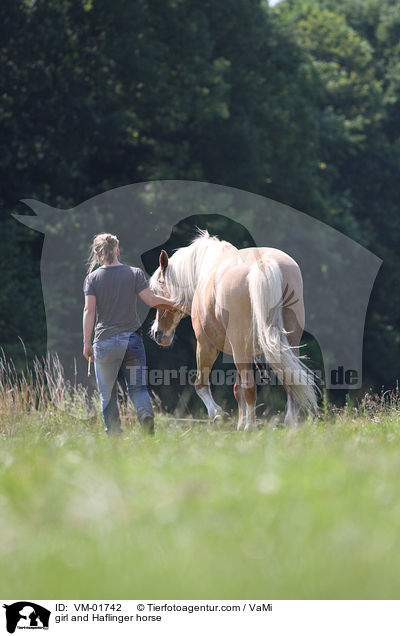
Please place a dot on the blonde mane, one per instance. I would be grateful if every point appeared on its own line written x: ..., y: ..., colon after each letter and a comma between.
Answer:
x: 185, y: 266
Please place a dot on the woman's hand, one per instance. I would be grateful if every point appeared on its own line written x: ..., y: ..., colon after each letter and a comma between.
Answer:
x: 153, y: 300
x: 88, y: 351
x: 159, y: 302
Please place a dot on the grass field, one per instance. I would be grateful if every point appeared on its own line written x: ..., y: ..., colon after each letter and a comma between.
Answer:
x: 199, y: 512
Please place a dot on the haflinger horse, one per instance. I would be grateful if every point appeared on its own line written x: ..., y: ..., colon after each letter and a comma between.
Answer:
x: 244, y: 303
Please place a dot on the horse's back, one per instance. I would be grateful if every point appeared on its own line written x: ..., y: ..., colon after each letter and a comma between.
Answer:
x: 292, y: 287
x: 232, y: 289
x: 222, y: 305
x: 290, y: 270
x: 251, y: 254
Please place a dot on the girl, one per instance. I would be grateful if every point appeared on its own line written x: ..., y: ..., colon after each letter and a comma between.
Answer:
x: 111, y: 293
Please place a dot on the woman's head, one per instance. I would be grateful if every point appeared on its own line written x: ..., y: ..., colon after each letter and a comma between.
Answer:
x: 104, y: 250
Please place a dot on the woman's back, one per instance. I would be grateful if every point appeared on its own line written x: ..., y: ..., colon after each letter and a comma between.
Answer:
x: 111, y: 293
x: 116, y: 289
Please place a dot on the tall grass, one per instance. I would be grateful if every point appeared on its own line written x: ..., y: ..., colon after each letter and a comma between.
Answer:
x: 41, y: 388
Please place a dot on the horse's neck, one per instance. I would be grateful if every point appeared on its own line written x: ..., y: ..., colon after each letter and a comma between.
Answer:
x: 201, y: 265
x: 211, y: 259
x: 207, y: 260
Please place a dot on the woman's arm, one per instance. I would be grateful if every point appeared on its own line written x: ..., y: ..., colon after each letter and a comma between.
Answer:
x: 152, y: 300
x: 89, y: 313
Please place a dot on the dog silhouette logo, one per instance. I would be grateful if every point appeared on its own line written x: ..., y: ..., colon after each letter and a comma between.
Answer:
x: 26, y: 615
x: 337, y: 273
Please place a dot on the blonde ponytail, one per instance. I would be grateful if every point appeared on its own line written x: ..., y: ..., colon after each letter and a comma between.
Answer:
x: 104, y: 250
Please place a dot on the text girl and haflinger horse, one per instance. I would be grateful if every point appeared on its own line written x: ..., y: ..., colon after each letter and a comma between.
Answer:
x: 111, y: 293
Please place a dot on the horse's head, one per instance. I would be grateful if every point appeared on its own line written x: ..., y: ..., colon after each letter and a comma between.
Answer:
x: 163, y: 328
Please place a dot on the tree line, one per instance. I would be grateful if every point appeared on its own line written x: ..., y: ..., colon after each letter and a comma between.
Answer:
x: 299, y: 103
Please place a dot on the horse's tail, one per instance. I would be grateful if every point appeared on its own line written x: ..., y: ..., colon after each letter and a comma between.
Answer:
x: 269, y: 335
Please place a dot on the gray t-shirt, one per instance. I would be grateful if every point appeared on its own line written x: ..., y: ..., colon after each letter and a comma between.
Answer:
x: 116, y: 289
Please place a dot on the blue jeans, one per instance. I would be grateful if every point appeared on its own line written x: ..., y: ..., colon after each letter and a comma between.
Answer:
x: 122, y: 355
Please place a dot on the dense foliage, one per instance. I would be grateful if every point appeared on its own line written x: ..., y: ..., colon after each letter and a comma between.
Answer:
x: 300, y: 103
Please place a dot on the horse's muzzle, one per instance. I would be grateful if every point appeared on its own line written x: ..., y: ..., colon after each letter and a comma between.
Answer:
x: 162, y: 340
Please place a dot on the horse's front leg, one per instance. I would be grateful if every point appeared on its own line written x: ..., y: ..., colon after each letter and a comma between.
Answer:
x: 205, y: 357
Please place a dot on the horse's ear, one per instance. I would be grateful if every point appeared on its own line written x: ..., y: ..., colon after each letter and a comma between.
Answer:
x: 163, y: 261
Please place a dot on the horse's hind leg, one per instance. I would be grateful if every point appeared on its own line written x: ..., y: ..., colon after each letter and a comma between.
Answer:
x: 245, y: 391
x: 205, y: 357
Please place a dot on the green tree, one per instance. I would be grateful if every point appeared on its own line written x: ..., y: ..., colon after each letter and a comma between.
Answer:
x: 93, y: 97
x: 353, y: 50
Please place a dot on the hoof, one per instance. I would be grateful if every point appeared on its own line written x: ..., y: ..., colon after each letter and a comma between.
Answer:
x: 220, y: 418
